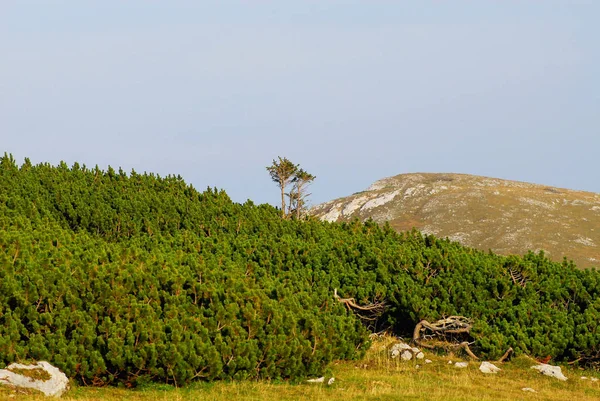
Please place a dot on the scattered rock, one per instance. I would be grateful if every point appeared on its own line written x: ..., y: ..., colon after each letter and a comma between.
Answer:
x: 449, y: 362
x: 427, y: 360
x: 487, y: 367
x: 318, y: 380
x: 397, y: 349
x: 406, y: 352
x: 331, y: 381
x: 529, y: 389
x: 549, y: 370
x: 583, y: 378
x: 42, y: 377
x: 461, y: 364
x: 594, y: 379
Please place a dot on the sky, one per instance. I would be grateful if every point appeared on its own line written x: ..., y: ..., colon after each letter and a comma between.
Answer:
x: 352, y: 91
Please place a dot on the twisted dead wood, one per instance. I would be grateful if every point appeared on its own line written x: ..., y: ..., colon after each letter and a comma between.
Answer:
x: 374, y: 309
x: 443, y: 327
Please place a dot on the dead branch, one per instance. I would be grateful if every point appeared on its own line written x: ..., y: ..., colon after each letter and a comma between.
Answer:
x: 450, y: 325
x: 368, y: 314
x: 506, y: 355
x: 465, y: 346
x: 517, y: 277
x: 443, y: 327
x: 351, y: 304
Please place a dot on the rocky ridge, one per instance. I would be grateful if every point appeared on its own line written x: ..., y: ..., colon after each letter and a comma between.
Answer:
x: 508, y: 217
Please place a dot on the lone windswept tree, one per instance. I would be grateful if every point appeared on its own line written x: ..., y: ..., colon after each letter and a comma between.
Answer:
x: 282, y: 173
x: 298, y: 194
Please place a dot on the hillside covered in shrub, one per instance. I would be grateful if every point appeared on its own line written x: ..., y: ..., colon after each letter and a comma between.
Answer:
x: 125, y: 278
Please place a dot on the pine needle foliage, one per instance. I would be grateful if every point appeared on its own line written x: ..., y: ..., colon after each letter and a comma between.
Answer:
x: 130, y: 278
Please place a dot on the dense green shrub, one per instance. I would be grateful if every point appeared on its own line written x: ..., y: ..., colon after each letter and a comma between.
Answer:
x: 120, y: 277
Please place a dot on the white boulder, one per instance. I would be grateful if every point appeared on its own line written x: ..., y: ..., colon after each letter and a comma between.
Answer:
x: 55, y: 385
x: 406, y: 355
x: 317, y: 380
x: 549, y: 370
x: 487, y: 367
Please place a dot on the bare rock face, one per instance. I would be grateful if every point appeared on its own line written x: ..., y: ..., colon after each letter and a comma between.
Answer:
x: 549, y: 370
x: 41, y: 376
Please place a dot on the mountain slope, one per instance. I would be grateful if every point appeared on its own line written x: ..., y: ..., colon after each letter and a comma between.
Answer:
x: 508, y: 217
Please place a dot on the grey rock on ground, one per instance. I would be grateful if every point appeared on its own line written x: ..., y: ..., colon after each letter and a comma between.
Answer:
x: 56, y: 385
x: 487, y: 367
x: 549, y: 370
x: 406, y: 352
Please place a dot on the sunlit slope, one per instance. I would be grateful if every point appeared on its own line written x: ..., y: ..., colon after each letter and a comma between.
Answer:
x: 508, y: 217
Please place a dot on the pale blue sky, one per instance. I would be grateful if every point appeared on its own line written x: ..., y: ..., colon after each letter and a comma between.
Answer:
x: 351, y: 90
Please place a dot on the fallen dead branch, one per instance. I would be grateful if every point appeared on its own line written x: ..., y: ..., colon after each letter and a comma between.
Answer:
x: 506, y: 355
x: 447, y: 332
x: 370, y: 312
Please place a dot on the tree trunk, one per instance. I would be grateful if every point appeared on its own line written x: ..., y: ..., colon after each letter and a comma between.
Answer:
x: 282, y: 185
x: 298, y: 200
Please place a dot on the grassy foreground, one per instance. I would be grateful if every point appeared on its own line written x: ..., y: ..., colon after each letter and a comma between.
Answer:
x: 376, y: 377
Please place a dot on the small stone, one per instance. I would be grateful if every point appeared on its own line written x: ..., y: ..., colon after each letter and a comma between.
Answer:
x: 406, y: 355
x: 331, y: 381
x: 415, y: 350
x: 594, y: 379
x: 461, y: 365
x: 583, y: 378
x: 529, y: 389
x: 317, y: 380
x: 427, y: 360
x: 449, y: 362
x: 417, y: 366
x: 420, y: 355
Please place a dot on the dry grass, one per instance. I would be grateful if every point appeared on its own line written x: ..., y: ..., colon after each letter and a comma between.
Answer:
x: 377, y: 377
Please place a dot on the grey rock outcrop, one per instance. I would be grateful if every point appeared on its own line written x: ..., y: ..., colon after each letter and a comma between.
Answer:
x: 56, y: 385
